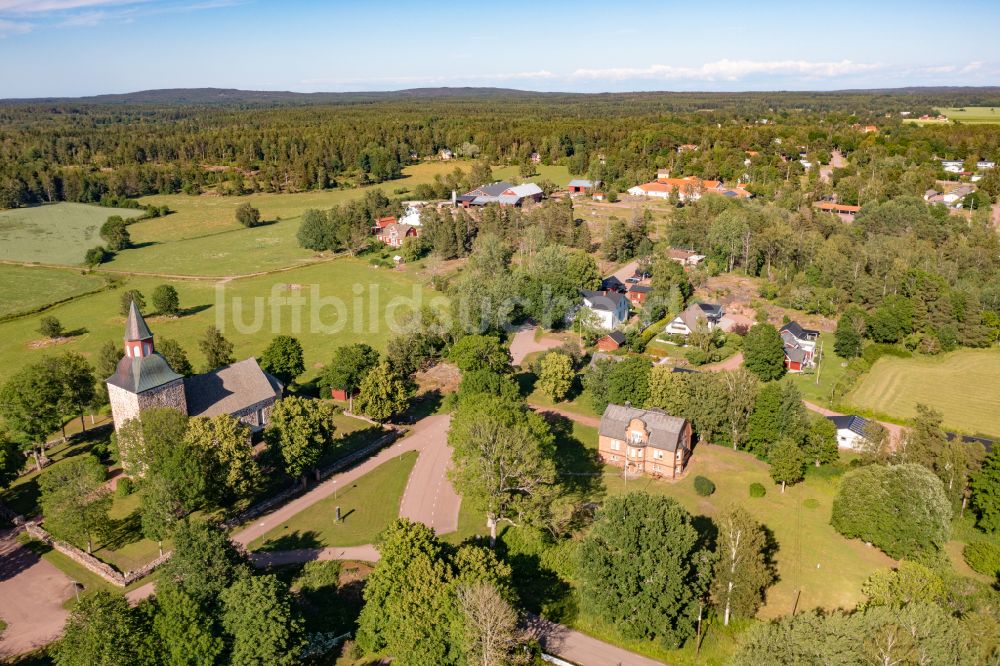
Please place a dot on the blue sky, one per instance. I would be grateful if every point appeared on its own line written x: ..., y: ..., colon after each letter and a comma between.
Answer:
x: 83, y: 47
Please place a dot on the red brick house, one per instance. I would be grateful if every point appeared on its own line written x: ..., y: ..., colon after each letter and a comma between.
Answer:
x: 648, y: 441
x: 611, y: 341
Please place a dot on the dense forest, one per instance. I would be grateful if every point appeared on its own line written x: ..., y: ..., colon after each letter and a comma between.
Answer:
x: 80, y: 150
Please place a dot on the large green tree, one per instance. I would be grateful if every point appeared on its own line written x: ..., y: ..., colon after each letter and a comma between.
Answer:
x: 643, y: 568
x: 504, y: 460
x: 175, y: 356
x: 902, y: 509
x: 382, y: 393
x: 787, y: 462
x: 187, y: 633
x: 985, y: 486
x: 263, y: 626
x: 283, y: 358
x: 225, y: 443
x: 31, y: 404
x: 742, y: 570
x: 217, y: 349
x: 763, y: 352
x: 11, y: 460
x: 74, y: 499
x: 555, y: 375
x: 103, y: 631
x: 204, y: 561
x: 348, y: 366
x: 79, y: 389
x: 300, y: 431
x: 477, y: 352
x: 166, y: 301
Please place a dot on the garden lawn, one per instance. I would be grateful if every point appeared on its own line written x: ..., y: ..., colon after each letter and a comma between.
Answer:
x: 367, y: 507
x: 812, y: 557
x: 28, y: 288
x: 832, y: 368
x: 97, y: 319
x: 961, y: 385
x: 57, y: 233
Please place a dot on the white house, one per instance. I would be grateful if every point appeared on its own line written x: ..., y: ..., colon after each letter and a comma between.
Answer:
x: 610, y: 308
x: 953, y: 166
x: 852, y: 431
x: 696, y: 317
x: 985, y: 164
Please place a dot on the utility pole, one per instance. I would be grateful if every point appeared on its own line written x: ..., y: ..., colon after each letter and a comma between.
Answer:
x: 819, y: 363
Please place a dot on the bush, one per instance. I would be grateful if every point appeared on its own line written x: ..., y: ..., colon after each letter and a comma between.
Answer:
x: 757, y: 490
x: 96, y: 255
x: 874, y: 352
x: 248, y: 216
x: 703, y: 486
x: 983, y: 557
x: 124, y: 487
x: 50, y: 327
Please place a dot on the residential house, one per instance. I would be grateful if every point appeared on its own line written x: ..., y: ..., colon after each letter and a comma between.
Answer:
x: 502, y: 193
x: 637, y: 294
x: 647, y: 441
x: 687, y: 188
x: 445, y: 154
x: 612, y: 283
x: 953, y: 166
x: 580, y: 186
x: 852, y: 430
x: 394, y: 234
x: 952, y: 198
x: 610, y: 308
x: 799, y: 345
x: 845, y: 212
x: 697, y: 317
x: 611, y: 341
x: 985, y: 164
x: 382, y: 222
x: 685, y: 258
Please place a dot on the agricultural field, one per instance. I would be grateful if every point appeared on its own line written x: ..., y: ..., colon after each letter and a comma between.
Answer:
x: 54, y: 233
x: 961, y: 385
x: 555, y: 173
x: 973, y: 115
x: 249, y: 311
x: 27, y: 288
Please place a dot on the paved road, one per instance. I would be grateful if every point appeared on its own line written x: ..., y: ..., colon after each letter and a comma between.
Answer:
x: 429, y: 435
x: 626, y: 271
x: 366, y: 553
x: 429, y: 497
x: 582, y: 649
x: 32, y: 592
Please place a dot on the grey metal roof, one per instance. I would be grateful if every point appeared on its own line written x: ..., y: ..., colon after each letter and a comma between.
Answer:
x: 493, y: 190
x: 135, y: 325
x: 142, y: 373
x: 580, y: 182
x: 664, y: 430
x: 230, y: 389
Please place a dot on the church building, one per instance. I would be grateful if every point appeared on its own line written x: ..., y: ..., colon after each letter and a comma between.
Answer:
x: 144, y: 379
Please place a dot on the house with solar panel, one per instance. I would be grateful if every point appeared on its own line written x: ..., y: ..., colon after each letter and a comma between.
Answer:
x: 144, y: 379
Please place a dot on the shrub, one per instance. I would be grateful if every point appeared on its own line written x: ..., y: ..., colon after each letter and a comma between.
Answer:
x: 248, y: 216
x: 703, y: 486
x: 96, y: 255
x: 983, y: 557
x: 902, y: 509
x: 874, y: 352
x: 50, y: 327
x: 124, y: 487
x: 757, y: 490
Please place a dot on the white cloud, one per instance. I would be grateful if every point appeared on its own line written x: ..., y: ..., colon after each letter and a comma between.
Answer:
x: 14, y: 27
x: 45, y: 6
x: 730, y: 70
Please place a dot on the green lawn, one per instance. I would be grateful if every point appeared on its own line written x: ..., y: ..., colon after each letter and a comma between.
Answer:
x: 961, y: 385
x: 54, y: 233
x: 367, y: 507
x: 27, y: 288
x: 831, y: 369
x: 812, y: 556
x: 321, y: 326
x: 557, y: 174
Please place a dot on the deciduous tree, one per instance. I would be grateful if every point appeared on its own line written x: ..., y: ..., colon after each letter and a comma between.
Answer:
x: 742, y: 571
x: 127, y: 298
x: 283, y: 358
x: 348, y: 366
x: 476, y: 352
x: 556, y: 375
x: 217, y: 350
x: 382, y: 393
x: 248, y: 216
x: 654, y: 597
x: 787, y: 462
x: 102, y: 629
x: 225, y: 442
x: 50, y: 327
x: 75, y: 500
x: 176, y: 357
x: 985, y: 486
x: 166, y: 300
x: 300, y: 431
x: 263, y: 626
x: 763, y: 353
x: 30, y: 404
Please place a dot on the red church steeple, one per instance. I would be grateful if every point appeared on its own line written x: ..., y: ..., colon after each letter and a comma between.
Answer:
x: 138, y: 337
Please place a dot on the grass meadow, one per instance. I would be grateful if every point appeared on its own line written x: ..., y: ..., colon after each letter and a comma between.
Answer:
x: 29, y: 287
x: 366, y: 291
x: 57, y: 233
x: 973, y: 115
x: 367, y: 507
x: 961, y: 385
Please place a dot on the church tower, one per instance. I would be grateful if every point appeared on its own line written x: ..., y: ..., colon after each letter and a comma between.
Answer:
x: 143, y: 378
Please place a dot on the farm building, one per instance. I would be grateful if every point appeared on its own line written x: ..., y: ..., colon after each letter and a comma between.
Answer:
x: 611, y: 341
x: 580, y: 186
x: 502, y: 193
x: 843, y: 211
x: 394, y: 234
x: 687, y: 188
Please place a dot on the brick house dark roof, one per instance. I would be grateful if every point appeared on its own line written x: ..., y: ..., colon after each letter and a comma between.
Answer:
x: 664, y: 430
